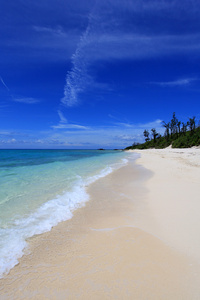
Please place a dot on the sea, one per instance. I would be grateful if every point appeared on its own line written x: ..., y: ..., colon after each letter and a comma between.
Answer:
x: 40, y: 188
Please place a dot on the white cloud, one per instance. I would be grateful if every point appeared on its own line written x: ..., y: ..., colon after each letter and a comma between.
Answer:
x: 153, y: 124
x: 126, y: 126
x: 64, y: 124
x: 77, y: 79
x: 62, y: 117
x: 178, y: 82
x: 127, y: 138
x: 50, y: 30
x: 7, y: 133
x: 138, y: 46
x: 69, y: 126
x: 27, y: 100
x: 8, y: 141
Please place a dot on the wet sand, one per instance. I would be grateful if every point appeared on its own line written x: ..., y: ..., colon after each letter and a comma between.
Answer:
x: 132, y: 240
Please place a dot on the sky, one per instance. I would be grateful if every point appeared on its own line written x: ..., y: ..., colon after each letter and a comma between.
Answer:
x: 86, y: 74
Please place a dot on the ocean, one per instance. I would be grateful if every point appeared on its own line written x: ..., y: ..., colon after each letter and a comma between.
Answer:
x: 40, y: 188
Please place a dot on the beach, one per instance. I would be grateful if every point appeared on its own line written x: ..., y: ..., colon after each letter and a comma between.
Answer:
x: 138, y: 237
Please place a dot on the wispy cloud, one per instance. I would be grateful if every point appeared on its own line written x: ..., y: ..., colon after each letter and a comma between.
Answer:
x: 77, y: 78
x: 157, y: 5
x: 64, y: 124
x: 127, y: 138
x: 115, y: 135
x: 110, y: 36
x: 141, y: 126
x: 69, y: 126
x: 2, y: 81
x: 62, y: 117
x: 77, y: 136
x: 58, y: 30
x: 6, y: 133
x: 8, y: 141
x: 154, y: 124
x: 26, y: 100
x: 175, y: 83
x: 137, y: 46
x: 127, y: 125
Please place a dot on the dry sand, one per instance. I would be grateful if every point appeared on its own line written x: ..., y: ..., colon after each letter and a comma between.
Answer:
x: 173, y: 200
x: 137, y: 238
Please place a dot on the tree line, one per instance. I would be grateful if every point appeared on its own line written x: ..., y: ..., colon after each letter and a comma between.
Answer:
x: 178, y: 134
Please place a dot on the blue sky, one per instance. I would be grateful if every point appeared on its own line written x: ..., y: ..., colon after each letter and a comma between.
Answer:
x: 90, y: 74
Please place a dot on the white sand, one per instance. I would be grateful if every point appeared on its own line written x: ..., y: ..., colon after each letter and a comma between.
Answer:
x: 173, y: 200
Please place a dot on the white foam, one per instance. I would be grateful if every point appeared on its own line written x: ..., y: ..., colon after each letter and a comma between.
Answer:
x: 13, y: 239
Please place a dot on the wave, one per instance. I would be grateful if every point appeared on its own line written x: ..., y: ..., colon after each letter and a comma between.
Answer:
x: 13, y: 239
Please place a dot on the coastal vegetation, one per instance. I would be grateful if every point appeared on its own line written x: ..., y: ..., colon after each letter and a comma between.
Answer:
x: 177, y: 134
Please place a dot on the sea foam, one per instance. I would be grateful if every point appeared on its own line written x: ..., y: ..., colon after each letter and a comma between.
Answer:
x: 13, y: 239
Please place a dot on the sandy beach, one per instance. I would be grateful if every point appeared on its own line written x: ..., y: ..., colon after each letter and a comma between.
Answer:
x: 137, y: 238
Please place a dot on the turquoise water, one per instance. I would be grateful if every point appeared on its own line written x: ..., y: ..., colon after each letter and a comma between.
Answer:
x: 40, y: 188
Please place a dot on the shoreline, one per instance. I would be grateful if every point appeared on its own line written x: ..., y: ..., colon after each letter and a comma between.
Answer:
x: 111, y: 248
x: 42, y: 207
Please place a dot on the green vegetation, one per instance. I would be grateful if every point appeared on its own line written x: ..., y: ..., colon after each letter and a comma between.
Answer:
x: 177, y: 133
